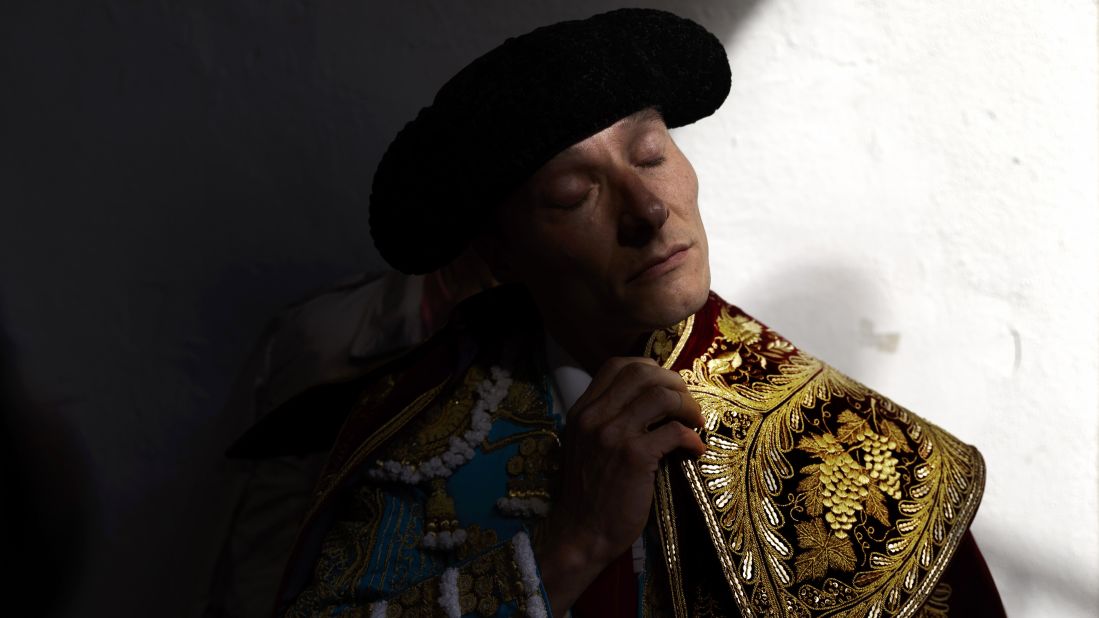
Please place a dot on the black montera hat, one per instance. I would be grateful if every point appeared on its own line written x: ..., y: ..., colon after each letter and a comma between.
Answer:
x: 510, y: 111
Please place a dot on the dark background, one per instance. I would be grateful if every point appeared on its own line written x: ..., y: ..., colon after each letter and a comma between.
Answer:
x: 173, y: 174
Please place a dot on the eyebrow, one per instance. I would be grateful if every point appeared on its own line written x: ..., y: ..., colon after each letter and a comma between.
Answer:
x: 648, y: 114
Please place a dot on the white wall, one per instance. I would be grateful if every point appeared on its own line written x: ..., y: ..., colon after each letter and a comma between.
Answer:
x: 908, y: 190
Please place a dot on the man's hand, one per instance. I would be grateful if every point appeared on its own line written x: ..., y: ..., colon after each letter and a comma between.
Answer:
x: 632, y: 415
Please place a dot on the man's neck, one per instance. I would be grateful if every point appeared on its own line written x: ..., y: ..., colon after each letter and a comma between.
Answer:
x: 591, y: 349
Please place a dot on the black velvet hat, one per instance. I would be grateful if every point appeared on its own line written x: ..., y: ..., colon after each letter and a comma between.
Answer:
x: 510, y: 111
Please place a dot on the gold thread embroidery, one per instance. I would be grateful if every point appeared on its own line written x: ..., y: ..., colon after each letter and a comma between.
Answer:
x: 331, y: 479
x: 430, y: 435
x: 669, y: 539
x: 665, y: 344
x: 533, y: 469
x: 938, y: 605
x: 488, y: 581
x: 366, y: 507
x: 864, y: 534
x: 656, y: 348
x: 348, y: 549
x: 548, y: 434
x: 439, y: 512
x: 525, y: 405
x: 478, y: 539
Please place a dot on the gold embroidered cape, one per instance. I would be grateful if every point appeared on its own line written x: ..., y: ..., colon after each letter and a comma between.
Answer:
x: 820, y: 496
x: 816, y: 497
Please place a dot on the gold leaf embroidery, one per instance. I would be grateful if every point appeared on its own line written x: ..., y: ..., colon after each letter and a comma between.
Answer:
x: 895, y: 435
x: 810, y: 487
x: 792, y: 440
x: 724, y: 363
x: 662, y: 344
x: 822, y: 551
x: 853, y: 428
x: 738, y: 328
x: 822, y: 445
x: 875, y: 505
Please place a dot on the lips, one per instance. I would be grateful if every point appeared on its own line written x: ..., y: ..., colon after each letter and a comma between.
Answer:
x: 658, y: 264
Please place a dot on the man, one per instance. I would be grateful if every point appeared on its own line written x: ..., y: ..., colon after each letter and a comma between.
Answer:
x: 602, y: 434
x: 334, y: 336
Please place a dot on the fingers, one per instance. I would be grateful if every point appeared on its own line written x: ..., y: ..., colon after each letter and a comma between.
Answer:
x: 622, y: 381
x: 629, y: 397
x: 607, y: 374
x: 658, y: 404
x: 668, y: 438
x: 634, y: 379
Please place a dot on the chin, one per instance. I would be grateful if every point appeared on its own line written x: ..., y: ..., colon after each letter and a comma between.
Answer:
x: 669, y: 302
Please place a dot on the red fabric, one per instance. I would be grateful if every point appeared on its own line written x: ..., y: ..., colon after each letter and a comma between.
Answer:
x: 973, y: 592
x: 613, y: 594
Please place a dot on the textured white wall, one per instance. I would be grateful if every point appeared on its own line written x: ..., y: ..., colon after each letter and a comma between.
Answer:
x: 908, y: 190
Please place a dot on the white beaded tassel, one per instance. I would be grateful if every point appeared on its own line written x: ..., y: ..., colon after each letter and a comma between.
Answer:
x: 446, y: 540
x: 523, y: 507
x: 490, y: 393
x: 448, y: 593
x: 528, y: 571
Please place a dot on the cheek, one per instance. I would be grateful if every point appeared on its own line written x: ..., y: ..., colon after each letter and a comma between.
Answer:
x: 579, y: 241
x: 545, y: 253
x: 575, y: 254
x: 686, y: 180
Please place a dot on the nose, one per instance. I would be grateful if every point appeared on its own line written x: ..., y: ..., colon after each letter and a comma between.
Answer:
x: 642, y: 214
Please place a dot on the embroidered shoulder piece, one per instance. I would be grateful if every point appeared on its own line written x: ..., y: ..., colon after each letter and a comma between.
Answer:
x: 820, y: 496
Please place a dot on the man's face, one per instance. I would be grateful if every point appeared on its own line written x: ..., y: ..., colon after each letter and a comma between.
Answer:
x: 608, y: 231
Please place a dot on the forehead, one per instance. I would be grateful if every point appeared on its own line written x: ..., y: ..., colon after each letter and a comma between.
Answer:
x: 646, y: 117
x: 623, y: 131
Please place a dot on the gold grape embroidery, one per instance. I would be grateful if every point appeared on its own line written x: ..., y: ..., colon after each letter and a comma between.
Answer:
x: 822, y: 497
x: 844, y: 489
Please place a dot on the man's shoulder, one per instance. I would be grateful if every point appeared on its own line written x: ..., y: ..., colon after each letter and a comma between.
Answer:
x: 494, y: 322
x: 834, y: 490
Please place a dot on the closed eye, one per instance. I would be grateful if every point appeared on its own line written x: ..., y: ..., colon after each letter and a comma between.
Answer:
x: 572, y: 204
x: 652, y: 162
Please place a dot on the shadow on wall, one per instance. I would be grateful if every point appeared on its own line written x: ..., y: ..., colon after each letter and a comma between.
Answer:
x: 176, y: 175
x: 48, y: 503
x: 1024, y: 575
x: 816, y: 307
